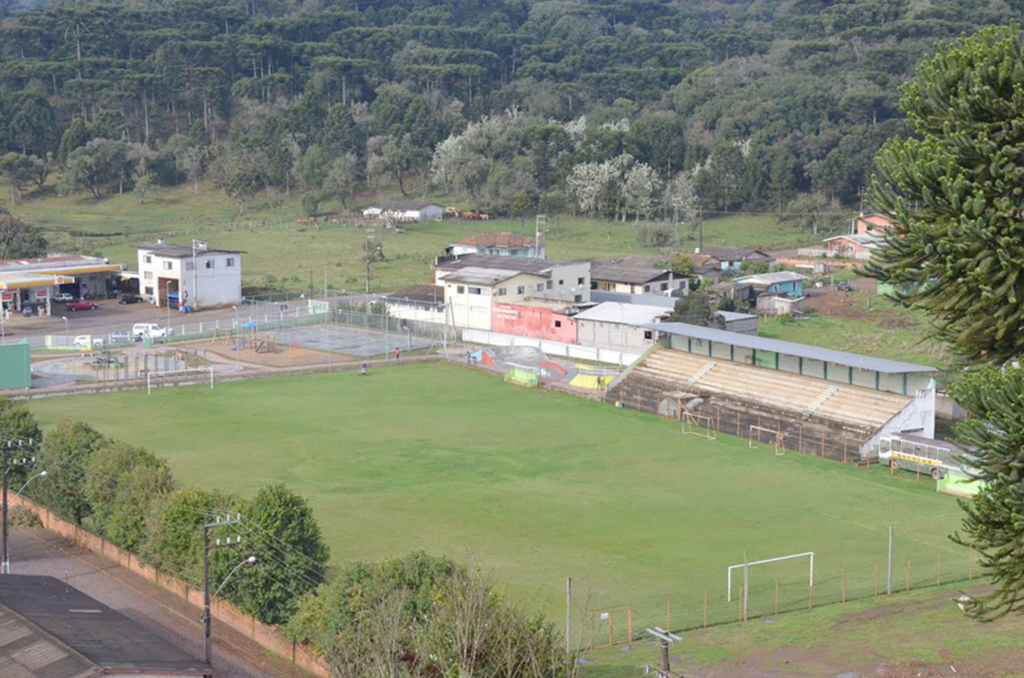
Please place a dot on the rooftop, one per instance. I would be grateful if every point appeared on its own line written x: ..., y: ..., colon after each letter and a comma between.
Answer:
x: 732, y: 253
x: 502, y: 240
x: 180, y: 251
x: 626, y: 314
x: 859, y: 238
x: 642, y: 299
x: 862, y: 362
x: 771, y: 278
x: 541, y: 267
x: 478, y: 275
x: 629, y: 269
x: 65, y: 621
x: 405, y: 205
x: 421, y: 293
x: 42, y: 263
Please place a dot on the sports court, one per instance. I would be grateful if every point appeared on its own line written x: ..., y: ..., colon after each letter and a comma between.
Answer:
x: 350, y: 340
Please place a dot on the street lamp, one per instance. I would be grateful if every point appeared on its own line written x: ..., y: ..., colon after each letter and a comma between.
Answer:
x: 5, y: 559
x: 65, y: 319
x: 248, y: 561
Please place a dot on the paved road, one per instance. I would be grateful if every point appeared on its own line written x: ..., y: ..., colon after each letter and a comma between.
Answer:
x: 43, y: 553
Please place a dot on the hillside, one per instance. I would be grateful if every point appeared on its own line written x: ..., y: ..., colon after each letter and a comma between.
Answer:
x: 636, y: 108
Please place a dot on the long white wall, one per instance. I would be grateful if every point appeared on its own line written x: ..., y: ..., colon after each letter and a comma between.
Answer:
x: 552, y: 348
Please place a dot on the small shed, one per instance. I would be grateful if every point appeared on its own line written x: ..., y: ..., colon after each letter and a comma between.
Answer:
x: 406, y: 211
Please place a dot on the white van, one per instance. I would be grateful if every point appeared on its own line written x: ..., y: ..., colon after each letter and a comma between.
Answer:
x: 142, y: 331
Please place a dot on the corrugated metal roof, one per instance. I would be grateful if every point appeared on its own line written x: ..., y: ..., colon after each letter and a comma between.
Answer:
x: 519, y: 264
x: 862, y: 362
x: 642, y: 299
x: 630, y: 269
x: 626, y: 314
x: 771, y: 278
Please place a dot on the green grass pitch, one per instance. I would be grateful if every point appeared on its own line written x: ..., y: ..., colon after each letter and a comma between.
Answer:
x: 536, y: 486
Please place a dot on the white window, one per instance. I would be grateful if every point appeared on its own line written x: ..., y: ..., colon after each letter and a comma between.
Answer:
x: 540, y: 287
x: 168, y: 265
x: 210, y: 263
x: 478, y: 309
x: 148, y: 275
x: 521, y: 289
x: 189, y: 266
x: 148, y: 259
x: 231, y: 262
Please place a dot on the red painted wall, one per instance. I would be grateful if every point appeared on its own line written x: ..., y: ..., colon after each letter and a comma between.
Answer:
x: 532, y: 321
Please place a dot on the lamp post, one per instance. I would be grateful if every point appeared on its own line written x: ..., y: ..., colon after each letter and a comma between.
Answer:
x: 65, y: 319
x: 167, y: 301
x: 5, y: 468
x: 222, y: 521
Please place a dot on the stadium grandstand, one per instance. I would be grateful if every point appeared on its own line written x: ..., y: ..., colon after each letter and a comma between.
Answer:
x: 799, y: 397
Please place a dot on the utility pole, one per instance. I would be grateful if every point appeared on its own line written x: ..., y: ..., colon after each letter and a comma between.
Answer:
x: 888, y: 578
x: 538, y: 230
x: 666, y: 638
x: 197, y: 246
x: 5, y: 467
x: 220, y: 522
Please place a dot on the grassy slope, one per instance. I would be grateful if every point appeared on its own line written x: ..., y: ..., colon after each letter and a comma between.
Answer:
x: 534, y: 485
x: 921, y: 629
x: 277, y: 246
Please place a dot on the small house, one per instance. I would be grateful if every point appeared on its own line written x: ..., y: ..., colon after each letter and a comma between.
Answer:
x: 636, y: 275
x: 406, y: 211
x: 498, y: 245
x: 855, y: 246
x: 731, y: 259
x: 779, y: 282
x: 871, y: 223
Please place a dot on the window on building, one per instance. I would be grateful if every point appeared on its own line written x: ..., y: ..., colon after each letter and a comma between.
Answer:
x: 210, y: 263
x: 231, y: 262
x: 521, y: 289
x: 581, y: 281
x: 561, y: 282
x: 558, y: 323
x: 148, y: 275
x: 550, y: 284
x: 168, y: 265
x: 189, y: 266
x: 664, y: 286
x: 460, y: 290
x: 647, y: 288
x: 502, y: 292
x: 578, y: 298
x: 540, y: 287
x: 149, y: 290
x: 148, y: 259
x: 648, y: 334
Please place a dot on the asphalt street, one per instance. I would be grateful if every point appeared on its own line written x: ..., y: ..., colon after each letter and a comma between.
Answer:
x: 39, y: 552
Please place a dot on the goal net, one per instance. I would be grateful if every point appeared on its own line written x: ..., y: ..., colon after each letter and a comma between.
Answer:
x: 776, y: 438
x: 699, y: 425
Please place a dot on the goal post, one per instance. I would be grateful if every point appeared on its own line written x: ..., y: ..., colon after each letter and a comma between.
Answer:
x: 778, y: 437
x: 699, y: 425
x: 155, y: 378
x: 747, y: 566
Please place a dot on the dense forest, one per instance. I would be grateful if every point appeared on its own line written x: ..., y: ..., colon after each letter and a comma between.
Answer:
x: 622, y: 108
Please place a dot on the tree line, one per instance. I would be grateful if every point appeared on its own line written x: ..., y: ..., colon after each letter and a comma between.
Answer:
x: 622, y: 109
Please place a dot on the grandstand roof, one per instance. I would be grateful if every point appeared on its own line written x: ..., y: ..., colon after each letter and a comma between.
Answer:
x: 862, y: 362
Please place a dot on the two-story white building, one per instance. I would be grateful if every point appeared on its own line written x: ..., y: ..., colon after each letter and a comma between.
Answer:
x: 473, y: 283
x: 198, y: 276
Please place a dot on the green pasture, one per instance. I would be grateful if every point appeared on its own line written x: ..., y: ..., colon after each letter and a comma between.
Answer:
x: 282, y: 254
x: 536, y: 486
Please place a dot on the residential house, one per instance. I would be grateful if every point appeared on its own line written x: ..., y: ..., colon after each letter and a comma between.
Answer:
x: 871, y: 222
x: 473, y: 283
x: 406, y: 211
x: 855, y: 246
x: 196, y: 276
x: 636, y: 275
x: 498, y: 245
x: 778, y: 293
x: 731, y: 259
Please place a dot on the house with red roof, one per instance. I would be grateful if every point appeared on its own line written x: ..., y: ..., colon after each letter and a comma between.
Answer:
x: 498, y: 245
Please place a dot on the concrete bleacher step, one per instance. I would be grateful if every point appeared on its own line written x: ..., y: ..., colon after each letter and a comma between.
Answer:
x: 819, y: 401
x: 701, y: 373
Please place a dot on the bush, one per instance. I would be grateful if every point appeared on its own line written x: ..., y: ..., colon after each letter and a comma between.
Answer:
x: 655, y: 235
x: 175, y: 542
x: 64, y: 454
x: 20, y: 516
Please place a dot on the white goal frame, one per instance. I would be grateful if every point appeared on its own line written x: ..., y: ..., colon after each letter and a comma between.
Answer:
x: 805, y: 554
x: 780, y: 438
x: 692, y: 425
x: 171, y: 373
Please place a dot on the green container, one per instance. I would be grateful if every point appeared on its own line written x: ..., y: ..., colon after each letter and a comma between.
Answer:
x: 15, y: 365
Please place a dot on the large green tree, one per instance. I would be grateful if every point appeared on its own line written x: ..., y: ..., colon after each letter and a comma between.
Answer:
x: 956, y: 189
x: 64, y: 454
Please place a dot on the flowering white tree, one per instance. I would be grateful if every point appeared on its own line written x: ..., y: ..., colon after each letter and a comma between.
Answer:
x: 639, y: 188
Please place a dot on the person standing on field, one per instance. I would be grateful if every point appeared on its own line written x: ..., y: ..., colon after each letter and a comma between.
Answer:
x: 398, y: 352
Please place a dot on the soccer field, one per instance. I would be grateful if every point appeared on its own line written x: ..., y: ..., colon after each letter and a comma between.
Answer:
x: 536, y: 486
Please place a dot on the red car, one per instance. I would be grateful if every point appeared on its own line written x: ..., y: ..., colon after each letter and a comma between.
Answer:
x: 81, y: 305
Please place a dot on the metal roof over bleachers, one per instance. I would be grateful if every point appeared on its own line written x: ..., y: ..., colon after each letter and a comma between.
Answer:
x: 855, y: 360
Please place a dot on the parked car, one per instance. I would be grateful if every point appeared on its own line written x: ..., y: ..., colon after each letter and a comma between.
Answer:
x: 87, y: 341
x: 81, y: 305
x: 64, y: 297
x: 142, y: 331
x: 844, y: 287
x: 128, y: 298
x: 120, y: 337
